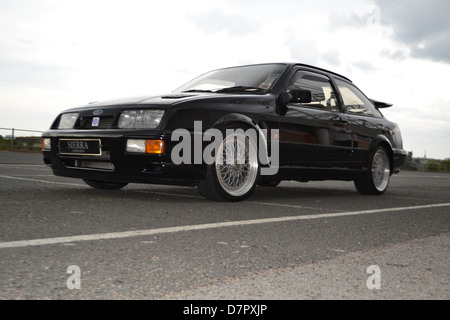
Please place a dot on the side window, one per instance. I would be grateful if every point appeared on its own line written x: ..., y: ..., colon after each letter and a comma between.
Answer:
x: 323, y: 96
x: 355, y: 102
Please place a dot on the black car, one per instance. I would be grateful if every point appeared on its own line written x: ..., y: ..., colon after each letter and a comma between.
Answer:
x: 230, y: 130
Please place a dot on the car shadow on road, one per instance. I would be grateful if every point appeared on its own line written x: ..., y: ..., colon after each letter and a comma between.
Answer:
x: 286, y: 192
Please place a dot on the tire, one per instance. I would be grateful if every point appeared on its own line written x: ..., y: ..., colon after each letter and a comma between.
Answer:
x: 105, y: 185
x: 378, y: 174
x: 235, y: 171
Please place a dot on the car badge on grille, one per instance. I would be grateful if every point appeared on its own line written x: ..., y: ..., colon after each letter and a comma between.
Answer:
x: 97, y: 112
x: 95, y: 121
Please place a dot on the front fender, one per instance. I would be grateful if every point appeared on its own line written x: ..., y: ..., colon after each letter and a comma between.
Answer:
x: 381, y: 140
x: 236, y: 118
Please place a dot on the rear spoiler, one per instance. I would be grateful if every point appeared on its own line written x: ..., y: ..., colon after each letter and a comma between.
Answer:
x: 381, y: 105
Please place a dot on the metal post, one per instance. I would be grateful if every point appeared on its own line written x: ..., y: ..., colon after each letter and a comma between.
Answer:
x: 12, y: 139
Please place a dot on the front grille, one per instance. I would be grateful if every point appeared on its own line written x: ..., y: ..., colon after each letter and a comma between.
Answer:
x: 104, y: 122
x: 88, y: 165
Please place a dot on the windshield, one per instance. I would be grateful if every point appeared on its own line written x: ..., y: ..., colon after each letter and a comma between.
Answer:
x: 254, y: 78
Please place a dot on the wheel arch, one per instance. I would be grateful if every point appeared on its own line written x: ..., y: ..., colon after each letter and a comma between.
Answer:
x: 237, y: 118
x: 232, y: 118
x: 383, y: 141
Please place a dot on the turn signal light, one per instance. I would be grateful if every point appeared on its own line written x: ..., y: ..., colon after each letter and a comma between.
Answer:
x: 155, y: 146
x: 46, y: 145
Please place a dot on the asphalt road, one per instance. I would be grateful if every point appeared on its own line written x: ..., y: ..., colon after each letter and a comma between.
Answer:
x: 317, y: 240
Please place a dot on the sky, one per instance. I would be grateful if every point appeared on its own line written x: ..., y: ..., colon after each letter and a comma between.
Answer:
x: 59, y: 54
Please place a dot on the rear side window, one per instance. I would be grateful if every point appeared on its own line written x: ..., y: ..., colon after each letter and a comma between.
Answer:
x: 355, y: 102
x: 322, y: 93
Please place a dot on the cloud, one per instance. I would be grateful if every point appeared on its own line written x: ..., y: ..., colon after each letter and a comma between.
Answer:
x: 435, y: 47
x: 302, y: 49
x: 422, y: 25
x: 347, y: 20
x: 395, y: 54
x: 216, y: 21
x: 364, y: 65
x: 332, y: 57
x: 33, y: 74
x: 362, y: 17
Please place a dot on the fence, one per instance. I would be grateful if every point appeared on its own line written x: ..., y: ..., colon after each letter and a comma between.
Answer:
x: 437, y: 166
x: 23, y: 143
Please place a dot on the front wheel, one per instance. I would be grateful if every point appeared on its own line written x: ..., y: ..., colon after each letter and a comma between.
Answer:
x: 105, y: 185
x: 378, y: 173
x: 233, y: 175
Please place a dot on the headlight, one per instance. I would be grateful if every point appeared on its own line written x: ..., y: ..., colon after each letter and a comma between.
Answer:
x: 145, y: 146
x: 140, y: 119
x: 67, y: 120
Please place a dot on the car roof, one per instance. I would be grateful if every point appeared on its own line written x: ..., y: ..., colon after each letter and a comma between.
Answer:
x: 296, y: 64
x: 291, y: 65
x: 319, y: 69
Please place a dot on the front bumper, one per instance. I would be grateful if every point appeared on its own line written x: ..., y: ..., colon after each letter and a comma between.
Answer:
x: 399, y: 157
x: 115, y: 164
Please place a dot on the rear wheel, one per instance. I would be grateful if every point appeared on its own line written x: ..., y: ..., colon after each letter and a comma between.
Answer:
x: 105, y: 185
x: 378, y: 173
x: 233, y: 175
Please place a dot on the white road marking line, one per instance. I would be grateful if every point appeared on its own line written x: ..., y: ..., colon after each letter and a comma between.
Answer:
x: 148, y: 232
x: 25, y: 166
x: 33, y: 175
x: 169, y: 194
x: 288, y: 205
x: 43, y: 181
x: 443, y: 176
x: 22, y: 165
x: 18, y: 177
x: 252, y: 202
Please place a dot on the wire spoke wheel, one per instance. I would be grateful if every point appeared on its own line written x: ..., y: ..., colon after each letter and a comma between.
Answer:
x: 378, y: 173
x: 237, y: 164
x: 381, y: 170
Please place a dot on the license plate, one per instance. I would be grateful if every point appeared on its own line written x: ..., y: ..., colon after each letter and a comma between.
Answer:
x: 84, y: 147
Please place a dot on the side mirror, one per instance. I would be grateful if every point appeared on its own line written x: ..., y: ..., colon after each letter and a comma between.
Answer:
x: 281, y: 104
x: 300, y: 96
x: 292, y: 96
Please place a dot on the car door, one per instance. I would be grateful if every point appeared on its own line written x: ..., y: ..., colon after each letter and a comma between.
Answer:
x: 365, y: 121
x: 314, y: 134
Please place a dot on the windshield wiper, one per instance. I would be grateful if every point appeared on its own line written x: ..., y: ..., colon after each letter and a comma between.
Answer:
x: 240, y: 89
x: 198, y: 90
x: 230, y: 89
